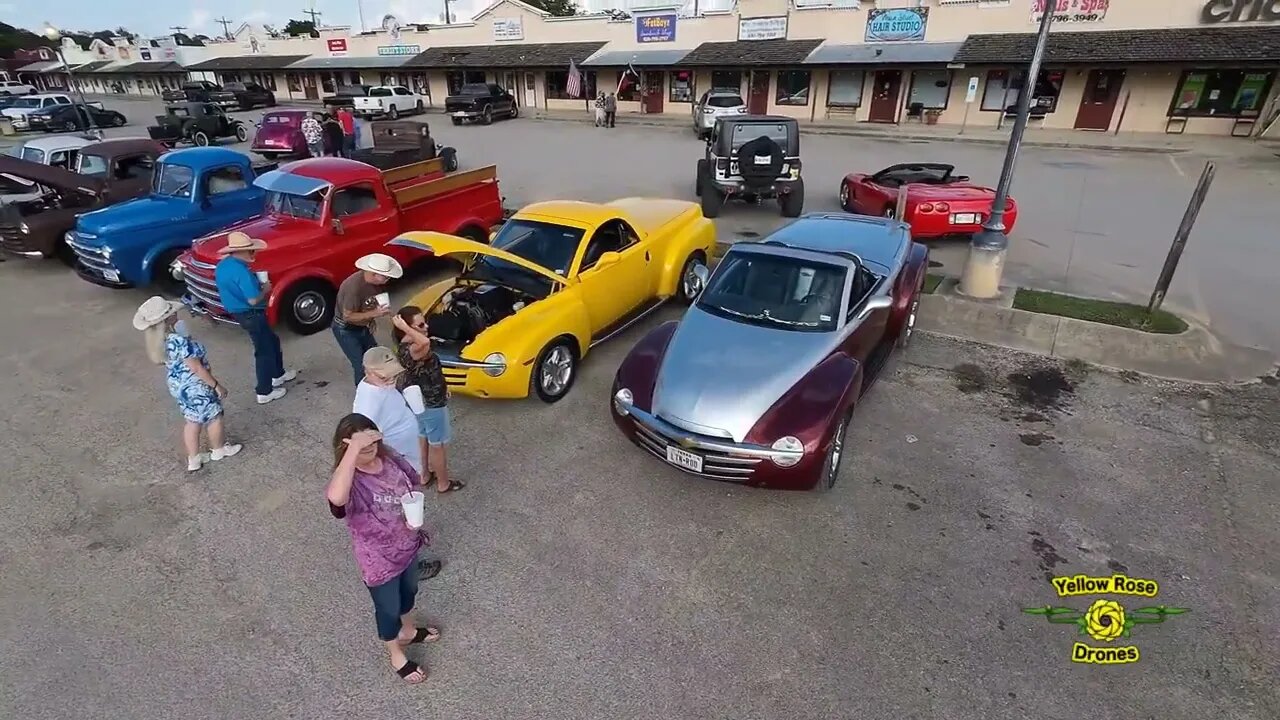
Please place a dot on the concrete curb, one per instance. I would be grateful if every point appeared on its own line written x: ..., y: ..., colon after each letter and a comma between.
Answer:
x: 1196, y: 355
x: 856, y: 132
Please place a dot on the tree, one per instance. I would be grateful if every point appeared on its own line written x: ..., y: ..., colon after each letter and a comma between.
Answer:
x: 301, y: 27
x: 558, y: 8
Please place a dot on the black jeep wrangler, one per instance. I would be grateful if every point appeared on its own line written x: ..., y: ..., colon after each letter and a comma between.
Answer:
x: 752, y: 157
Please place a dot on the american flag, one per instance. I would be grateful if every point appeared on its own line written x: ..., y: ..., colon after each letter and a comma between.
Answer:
x: 574, y: 87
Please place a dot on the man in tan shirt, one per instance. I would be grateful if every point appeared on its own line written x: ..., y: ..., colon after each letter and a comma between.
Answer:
x: 360, y: 302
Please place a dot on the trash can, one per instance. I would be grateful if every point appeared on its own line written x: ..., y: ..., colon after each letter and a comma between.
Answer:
x: 6, y: 127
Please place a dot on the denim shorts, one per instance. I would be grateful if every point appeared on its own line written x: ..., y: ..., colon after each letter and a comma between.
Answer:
x: 434, y: 425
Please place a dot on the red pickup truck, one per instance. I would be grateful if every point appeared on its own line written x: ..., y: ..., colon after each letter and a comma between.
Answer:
x: 322, y: 214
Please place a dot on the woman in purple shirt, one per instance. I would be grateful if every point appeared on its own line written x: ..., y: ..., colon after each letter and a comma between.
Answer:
x: 365, y: 489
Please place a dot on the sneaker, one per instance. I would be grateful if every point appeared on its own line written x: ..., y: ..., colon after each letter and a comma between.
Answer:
x: 225, y: 451
x: 195, y: 462
x: 286, y: 377
x: 273, y: 395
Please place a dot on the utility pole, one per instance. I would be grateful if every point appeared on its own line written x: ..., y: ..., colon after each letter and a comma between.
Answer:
x: 178, y: 28
x: 985, y: 264
x: 315, y: 16
x: 447, y: 18
x: 226, y: 26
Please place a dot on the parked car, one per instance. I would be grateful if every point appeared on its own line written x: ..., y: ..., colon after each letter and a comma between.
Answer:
x: 323, y: 214
x: 753, y: 158
x: 202, y: 91
x: 939, y: 203
x: 107, y: 172
x: 716, y: 104
x: 193, y: 192
x: 481, y: 101
x: 250, y: 95
x: 73, y: 118
x: 556, y: 280
x: 397, y: 143
x: 758, y: 382
x: 279, y: 135
x: 24, y: 106
x: 391, y: 101
x: 16, y: 87
x: 197, y: 123
x: 60, y: 152
x: 345, y: 96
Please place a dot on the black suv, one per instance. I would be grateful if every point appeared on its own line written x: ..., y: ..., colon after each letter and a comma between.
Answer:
x: 752, y: 157
x: 250, y: 95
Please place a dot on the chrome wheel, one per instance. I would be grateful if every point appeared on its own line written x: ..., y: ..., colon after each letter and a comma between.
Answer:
x: 690, y: 283
x: 309, y: 306
x: 831, y: 468
x: 556, y: 371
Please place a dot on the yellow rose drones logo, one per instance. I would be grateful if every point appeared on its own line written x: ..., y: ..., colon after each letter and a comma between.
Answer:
x: 1105, y: 620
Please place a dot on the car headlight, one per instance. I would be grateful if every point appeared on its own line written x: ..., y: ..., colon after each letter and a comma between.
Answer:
x: 622, y: 400
x: 175, y: 269
x: 496, y: 359
x: 790, y: 450
x: 70, y: 236
x: 24, y: 228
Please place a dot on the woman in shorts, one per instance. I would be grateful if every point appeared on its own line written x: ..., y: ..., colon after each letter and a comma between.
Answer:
x: 423, y: 370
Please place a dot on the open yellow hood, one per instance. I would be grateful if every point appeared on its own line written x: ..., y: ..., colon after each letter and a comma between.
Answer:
x: 440, y: 244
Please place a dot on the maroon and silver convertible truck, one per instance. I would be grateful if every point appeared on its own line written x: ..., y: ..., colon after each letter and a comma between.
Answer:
x: 758, y: 382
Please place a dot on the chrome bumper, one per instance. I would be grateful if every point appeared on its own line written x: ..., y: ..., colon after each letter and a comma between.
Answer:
x: 721, y: 459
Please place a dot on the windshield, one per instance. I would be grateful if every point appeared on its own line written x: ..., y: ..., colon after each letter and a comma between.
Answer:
x: 380, y: 92
x: 280, y: 120
x: 303, y: 207
x: 474, y: 90
x: 91, y: 165
x: 30, y: 154
x: 543, y: 244
x: 776, y: 291
x: 27, y: 103
x: 173, y: 180
x: 724, y: 101
x: 744, y: 133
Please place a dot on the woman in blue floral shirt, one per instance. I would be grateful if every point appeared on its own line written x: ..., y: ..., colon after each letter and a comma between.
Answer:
x: 198, y: 393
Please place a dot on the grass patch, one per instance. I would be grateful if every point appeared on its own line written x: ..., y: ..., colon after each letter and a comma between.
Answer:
x: 931, y: 282
x: 1107, y: 312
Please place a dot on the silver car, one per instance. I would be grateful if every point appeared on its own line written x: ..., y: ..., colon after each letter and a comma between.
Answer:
x: 714, y: 104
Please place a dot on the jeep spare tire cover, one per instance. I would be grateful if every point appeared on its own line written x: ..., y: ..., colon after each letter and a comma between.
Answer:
x: 760, y: 159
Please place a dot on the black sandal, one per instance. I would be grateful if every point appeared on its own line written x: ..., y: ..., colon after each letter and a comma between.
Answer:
x: 410, y: 667
x: 454, y: 485
x: 424, y: 634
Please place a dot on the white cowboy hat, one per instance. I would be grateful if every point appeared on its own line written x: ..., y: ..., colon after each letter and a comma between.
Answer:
x: 239, y: 242
x: 154, y: 311
x: 380, y: 264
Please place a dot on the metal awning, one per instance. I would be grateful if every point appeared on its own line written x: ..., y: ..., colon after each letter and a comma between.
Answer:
x: 639, y: 58
x: 247, y: 62
x: 92, y: 66
x: 324, y: 62
x: 885, y: 53
x: 505, y: 55
x: 43, y: 66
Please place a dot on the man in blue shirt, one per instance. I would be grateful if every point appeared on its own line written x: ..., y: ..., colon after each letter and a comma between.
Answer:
x: 245, y: 297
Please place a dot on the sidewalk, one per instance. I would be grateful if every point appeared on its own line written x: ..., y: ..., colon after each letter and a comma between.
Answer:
x: 1210, y: 145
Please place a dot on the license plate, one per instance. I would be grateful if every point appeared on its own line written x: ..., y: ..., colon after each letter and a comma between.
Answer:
x: 964, y: 218
x: 763, y: 159
x: 684, y: 459
x: 111, y: 275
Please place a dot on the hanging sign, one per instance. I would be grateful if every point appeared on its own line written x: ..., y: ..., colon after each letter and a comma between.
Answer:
x: 508, y: 28
x: 971, y: 93
x: 897, y: 24
x: 656, y: 28
x: 337, y: 47
x: 385, y: 50
x: 769, y: 28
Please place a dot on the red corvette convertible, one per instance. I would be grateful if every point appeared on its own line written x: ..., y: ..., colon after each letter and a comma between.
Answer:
x: 938, y: 203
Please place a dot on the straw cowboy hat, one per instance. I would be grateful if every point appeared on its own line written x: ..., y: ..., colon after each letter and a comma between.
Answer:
x: 382, y: 362
x: 239, y: 242
x: 380, y: 264
x: 154, y: 311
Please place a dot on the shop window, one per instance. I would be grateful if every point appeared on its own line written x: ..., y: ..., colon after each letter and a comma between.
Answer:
x: 681, y: 86
x: 454, y: 79
x: 628, y: 89
x: 1226, y: 93
x: 845, y: 89
x: 326, y: 83
x: 353, y: 78
x: 295, y: 85
x: 930, y: 89
x: 726, y: 80
x: 557, y: 84
x: 1004, y: 87
x: 793, y: 87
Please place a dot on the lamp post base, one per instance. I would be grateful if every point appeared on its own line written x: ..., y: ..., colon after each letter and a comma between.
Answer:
x: 984, y: 266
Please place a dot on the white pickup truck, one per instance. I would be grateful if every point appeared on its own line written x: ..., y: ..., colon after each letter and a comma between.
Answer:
x: 15, y: 87
x: 389, y: 100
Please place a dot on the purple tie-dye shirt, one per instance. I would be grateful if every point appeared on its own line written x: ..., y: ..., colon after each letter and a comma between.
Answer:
x: 384, y: 544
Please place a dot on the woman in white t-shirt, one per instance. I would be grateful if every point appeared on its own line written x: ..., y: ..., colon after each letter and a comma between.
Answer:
x: 378, y: 399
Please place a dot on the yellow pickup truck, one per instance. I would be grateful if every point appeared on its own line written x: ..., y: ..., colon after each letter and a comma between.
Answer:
x: 557, y: 279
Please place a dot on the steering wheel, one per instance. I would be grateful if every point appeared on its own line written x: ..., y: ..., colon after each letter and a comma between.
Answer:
x: 821, y: 296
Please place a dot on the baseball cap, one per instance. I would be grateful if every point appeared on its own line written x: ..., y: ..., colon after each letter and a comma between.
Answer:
x: 382, y: 362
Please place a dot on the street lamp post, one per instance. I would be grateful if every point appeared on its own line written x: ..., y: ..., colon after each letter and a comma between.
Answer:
x: 55, y: 36
x: 985, y: 264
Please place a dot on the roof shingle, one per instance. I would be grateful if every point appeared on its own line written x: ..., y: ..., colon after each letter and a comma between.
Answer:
x: 248, y: 62
x: 151, y: 66
x: 751, y: 52
x: 516, y: 55
x: 1217, y: 45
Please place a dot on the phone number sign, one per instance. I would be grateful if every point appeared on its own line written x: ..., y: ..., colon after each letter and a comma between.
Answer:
x: 1071, y: 11
x: 656, y: 28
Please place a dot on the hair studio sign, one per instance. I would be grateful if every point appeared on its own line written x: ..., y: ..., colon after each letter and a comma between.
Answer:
x: 1230, y: 11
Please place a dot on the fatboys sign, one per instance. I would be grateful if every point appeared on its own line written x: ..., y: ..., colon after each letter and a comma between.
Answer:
x: 1230, y: 11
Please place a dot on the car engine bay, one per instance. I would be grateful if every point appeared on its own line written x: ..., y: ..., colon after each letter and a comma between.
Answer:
x: 466, y: 311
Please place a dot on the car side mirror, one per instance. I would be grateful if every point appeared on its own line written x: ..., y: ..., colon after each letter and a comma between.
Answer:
x: 336, y: 225
x: 608, y: 259
x: 879, y: 302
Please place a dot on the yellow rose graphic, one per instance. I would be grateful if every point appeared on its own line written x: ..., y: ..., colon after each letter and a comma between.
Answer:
x: 1104, y: 620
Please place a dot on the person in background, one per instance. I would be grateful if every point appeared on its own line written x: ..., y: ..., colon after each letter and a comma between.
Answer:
x: 348, y: 123
x: 191, y: 382
x: 379, y: 399
x: 600, y: 119
x: 244, y: 295
x: 423, y: 370
x: 358, y: 309
x: 368, y: 479
x: 610, y: 109
x: 333, y: 137
x: 313, y: 134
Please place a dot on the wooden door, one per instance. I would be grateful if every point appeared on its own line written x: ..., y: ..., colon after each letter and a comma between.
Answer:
x: 530, y: 91
x: 653, y: 91
x: 1099, y: 101
x: 758, y: 98
x: 309, y: 87
x: 884, y: 96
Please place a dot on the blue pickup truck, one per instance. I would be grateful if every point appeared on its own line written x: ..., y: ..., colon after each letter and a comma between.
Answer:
x: 193, y: 192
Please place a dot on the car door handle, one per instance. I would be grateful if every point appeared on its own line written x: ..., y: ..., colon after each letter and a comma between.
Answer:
x: 646, y: 256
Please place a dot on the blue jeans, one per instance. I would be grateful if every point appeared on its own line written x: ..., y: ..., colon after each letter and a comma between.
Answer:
x: 268, y: 360
x: 354, y: 340
x: 393, y: 599
x: 348, y: 145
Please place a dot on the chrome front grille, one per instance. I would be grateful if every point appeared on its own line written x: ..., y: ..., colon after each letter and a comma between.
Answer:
x: 715, y: 465
x: 202, y: 287
x: 91, y: 257
x: 455, y: 376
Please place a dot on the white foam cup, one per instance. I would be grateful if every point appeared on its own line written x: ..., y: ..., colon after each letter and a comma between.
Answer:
x: 412, y: 503
x: 262, y: 275
x: 413, y: 396
x: 384, y: 299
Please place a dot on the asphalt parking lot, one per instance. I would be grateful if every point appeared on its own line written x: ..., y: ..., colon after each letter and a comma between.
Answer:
x: 1091, y: 223
x: 585, y: 580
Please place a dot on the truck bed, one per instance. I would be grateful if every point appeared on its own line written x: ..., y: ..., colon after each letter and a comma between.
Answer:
x: 430, y: 200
